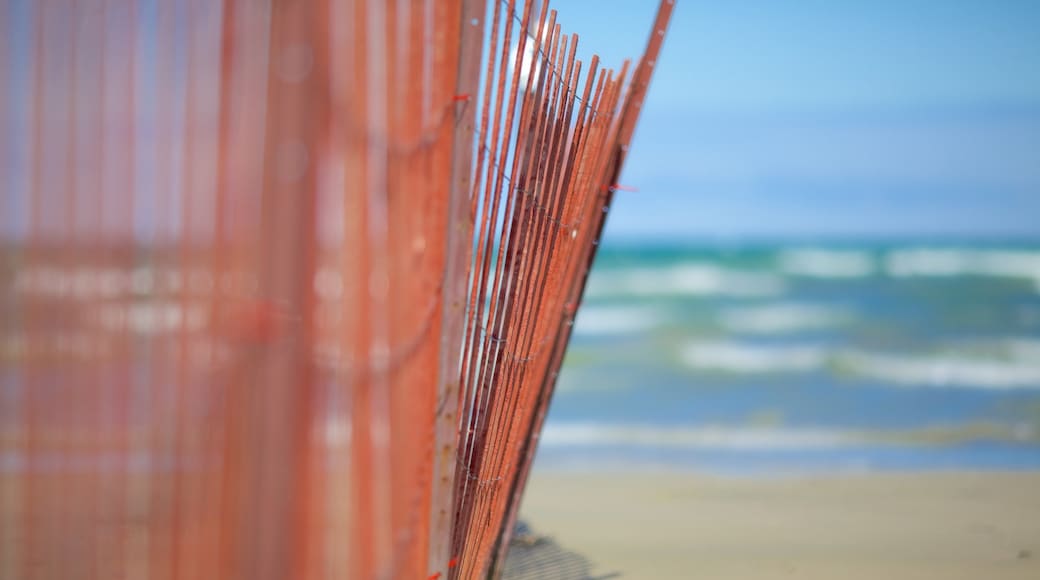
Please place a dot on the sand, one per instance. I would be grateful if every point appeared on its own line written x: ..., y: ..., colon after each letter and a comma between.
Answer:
x: 880, y: 526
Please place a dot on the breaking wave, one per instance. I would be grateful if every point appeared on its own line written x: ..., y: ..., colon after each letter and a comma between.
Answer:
x: 1021, y: 264
x: 1016, y: 366
x: 687, y: 279
x: 943, y: 370
x: 731, y: 438
x: 782, y: 317
x: 818, y: 263
x: 740, y: 357
x: 615, y: 320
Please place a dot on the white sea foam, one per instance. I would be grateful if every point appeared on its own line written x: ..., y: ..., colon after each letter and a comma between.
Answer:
x: 615, y: 320
x: 579, y: 434
x: 739, y: 357
x: 782, y: 317
x: 943, y: 370
x: 1024, y: 349
x: 1018, y: 367
x: 960, y: 262
x: 819, y: 263
x: 688, y: 279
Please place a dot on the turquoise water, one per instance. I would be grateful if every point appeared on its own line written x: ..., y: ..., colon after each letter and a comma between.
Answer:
x: 797, y: 357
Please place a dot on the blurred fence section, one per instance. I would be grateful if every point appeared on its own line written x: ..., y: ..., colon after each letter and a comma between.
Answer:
x: 284, y: 288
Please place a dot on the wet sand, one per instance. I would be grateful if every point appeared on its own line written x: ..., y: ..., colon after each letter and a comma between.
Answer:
x: 893, y: 526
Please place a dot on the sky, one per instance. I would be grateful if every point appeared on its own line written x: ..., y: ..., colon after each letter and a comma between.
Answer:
x: 830, y: 118
x: 820, y: 118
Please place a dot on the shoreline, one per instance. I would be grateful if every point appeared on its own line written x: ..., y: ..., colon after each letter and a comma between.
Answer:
x: 675, y: 524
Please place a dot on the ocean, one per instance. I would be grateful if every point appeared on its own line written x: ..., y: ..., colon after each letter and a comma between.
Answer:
x: 750, y: 358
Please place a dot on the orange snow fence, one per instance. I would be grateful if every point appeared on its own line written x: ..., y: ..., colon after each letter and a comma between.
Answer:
x: 285, y: 286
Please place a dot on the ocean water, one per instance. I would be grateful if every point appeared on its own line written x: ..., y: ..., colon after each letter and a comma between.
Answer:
x: 803, y: 357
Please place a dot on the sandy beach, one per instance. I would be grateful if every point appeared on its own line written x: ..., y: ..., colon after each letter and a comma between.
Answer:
x: 892, y: 526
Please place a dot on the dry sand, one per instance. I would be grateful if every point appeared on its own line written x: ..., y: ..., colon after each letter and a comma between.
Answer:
x: 946, y: 526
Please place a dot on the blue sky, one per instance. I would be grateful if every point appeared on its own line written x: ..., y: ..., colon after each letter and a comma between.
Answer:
x: 886, y: 118
x: 816, y: 118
